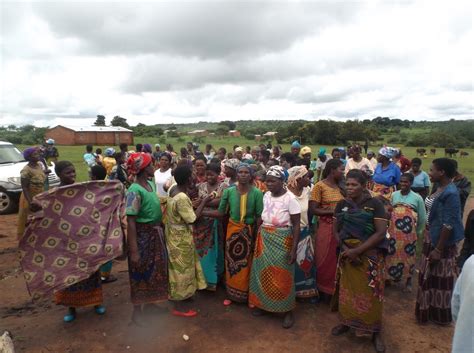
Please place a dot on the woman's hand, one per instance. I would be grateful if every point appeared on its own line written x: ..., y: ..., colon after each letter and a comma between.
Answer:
x: 292, y: 257
x: 434, y: 256
x: 352, y: 255
x: 196, y: 203
x: 35, y: 206
x: 134, y: 258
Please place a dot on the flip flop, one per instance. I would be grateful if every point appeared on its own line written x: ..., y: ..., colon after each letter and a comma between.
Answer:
x: 69, y: 318
x: 227, y: 302
x: 109, y: 279
x: 100, y: 310
x: 189, y: 313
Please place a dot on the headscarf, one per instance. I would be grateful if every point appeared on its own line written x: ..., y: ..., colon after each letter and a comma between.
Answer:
x: 157, y: 145
x: 147, y: 148
x: 137, y: 162
x: 245, y: 165
x: 305, y: 150
x: 278, y: 172
x: 296, y: 173
x: 232, y: 163
x: 388, y: 152
x: 109, y: 152
x: 238, y: 149
x: 29, y: 151
x: 295, y: 144
x: 322, y: 152
x: 50, y: 142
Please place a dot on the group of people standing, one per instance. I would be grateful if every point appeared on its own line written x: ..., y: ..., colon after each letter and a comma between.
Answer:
x: 275, y: 227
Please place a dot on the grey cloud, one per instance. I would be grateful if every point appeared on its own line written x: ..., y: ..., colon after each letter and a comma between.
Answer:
x: 205, y: 30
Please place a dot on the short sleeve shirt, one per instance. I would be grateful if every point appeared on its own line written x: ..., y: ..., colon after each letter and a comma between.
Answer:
x: 143, y: 203
x: 277, y: 210
x: 231, y: 203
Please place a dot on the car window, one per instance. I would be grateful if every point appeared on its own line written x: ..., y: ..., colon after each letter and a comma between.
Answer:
x: 10, y: 154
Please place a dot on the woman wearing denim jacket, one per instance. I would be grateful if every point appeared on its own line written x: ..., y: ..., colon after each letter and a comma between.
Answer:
x: 443, y: 230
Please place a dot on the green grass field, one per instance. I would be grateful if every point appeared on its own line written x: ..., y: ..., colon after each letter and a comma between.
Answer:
x: 75, y: 153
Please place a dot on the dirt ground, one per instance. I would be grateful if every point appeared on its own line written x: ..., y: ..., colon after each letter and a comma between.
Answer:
x: 40, y: 328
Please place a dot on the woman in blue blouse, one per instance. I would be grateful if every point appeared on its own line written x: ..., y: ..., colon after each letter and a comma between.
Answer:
x: 387, y: 174
x: 421, y: 183
x: 444, y: 229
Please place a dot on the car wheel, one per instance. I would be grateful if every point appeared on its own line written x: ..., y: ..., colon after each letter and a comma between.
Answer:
x: 7, y: 203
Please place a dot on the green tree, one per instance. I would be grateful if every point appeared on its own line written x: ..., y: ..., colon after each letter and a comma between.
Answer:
x: 100, y: 121
x: 119, y: 121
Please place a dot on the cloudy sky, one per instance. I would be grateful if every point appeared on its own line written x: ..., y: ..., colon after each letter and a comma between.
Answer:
x: 159, y: 62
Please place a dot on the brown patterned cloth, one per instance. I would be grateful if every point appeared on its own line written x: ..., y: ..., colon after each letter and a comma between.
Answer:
x: 79, y: 229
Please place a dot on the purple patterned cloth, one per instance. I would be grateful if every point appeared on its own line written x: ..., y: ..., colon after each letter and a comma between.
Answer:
x: 79, y: 228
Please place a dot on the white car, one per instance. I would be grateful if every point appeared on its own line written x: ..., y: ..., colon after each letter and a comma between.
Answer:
x: 11, y: 164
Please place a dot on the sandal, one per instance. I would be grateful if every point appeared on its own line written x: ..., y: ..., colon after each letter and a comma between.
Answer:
x: 339, y: 330
x: 378, y: 343
x: 109, y: 279
x: 258, y: 312
x: 189, y: 313
x: 227, y: 302
x: 288, y: 320
x: 100, y: 309
x: 70, y: 316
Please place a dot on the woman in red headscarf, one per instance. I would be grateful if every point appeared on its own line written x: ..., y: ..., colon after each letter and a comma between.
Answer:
x: 147, y: 257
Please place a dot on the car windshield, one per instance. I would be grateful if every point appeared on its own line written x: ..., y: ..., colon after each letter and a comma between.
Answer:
x: 10, y: 154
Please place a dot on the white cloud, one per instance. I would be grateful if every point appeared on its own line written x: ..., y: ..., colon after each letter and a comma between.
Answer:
x: 190, y: 61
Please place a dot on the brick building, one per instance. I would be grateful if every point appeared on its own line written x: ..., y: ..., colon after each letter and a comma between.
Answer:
x: 94, y: 135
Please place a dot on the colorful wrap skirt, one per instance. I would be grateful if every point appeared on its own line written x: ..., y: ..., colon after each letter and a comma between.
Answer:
x: 326, y: 256
x: 87, y: 292
x: 400, y: 262
x: 383, y: 190
x: 149, y: 278
x: 305, y: 268
x: 238, y: 258
x: 272, y: 282
x: 206, y: 233
x: 435, y: 284
x: 361, y: 290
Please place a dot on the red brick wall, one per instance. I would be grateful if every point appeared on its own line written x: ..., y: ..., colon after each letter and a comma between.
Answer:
x: 60, y: 135
x: 84, y: 138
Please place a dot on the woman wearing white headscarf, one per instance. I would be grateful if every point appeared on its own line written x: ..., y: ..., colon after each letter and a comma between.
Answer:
x: 305, y: 269
x: 387, y: 174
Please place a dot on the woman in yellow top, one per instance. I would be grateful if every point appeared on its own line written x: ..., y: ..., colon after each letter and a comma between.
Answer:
x: 33, y: 178
x: 109, y: 160
x: 324, y: 198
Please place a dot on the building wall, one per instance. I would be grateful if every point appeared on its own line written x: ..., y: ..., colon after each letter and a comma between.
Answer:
x: 85, y: 138
x: 234, y: 134
x: 60, y: 135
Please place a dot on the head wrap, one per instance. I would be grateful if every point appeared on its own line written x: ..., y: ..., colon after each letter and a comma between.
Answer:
x: 50, y: 142
x: 295, y: 144
x: 29, y: 151
x: 388, y: 152
x: 305, y: 150
x: 296, y: 173
x: 147, y: 148
x: 232, y: 163
x: 370, y: 151
x: 277, y: 172
x: 238, y: 149
x: 322, y: 152
x: 245, y: 165
x: 109, y: 152
x: 137, y: 162
x: 157, y: 145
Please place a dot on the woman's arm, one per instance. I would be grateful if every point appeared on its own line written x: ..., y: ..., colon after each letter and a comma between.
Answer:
x: 132, y: 240
x: 25, y: 185
x: 200, y: 208
x: 316, y: 209
x: 296, y: 228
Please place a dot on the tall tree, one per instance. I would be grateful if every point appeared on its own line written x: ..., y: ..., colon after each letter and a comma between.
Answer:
x: 100, y: 121
x: 119, y: 121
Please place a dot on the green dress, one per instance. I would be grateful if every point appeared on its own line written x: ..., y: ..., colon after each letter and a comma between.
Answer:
x: 184, y: 268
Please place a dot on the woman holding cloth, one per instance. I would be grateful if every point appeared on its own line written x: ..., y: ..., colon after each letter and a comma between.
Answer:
x: 305, y: 269
x: 272, y: 284
x: 360, y: 228
x: 244, y: 204
x: 147, y: 258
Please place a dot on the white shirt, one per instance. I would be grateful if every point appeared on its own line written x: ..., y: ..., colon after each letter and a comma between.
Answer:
x: 363, y: 165
x: 277, y: 210
x: 160, y: 181
x: 303, y: 200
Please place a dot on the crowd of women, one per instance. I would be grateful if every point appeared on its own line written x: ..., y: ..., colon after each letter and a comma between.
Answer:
x: 276, y: 228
